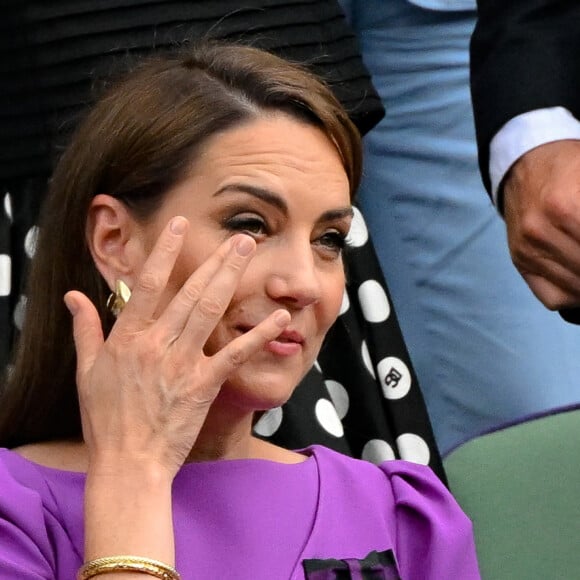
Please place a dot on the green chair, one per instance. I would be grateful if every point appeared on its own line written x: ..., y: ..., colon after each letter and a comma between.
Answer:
x: 520, y: 486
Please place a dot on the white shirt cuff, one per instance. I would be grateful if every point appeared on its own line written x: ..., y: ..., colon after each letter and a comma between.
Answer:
x: 525, y: 132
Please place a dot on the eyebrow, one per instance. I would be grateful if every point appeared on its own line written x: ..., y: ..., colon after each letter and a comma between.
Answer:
x: 276, y: 201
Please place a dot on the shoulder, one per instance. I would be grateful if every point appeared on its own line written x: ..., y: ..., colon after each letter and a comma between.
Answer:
x: 352, y: 483
x: 28, y: 514
x: 29, y: 487
x: 394, y: 474
x: 403, y: 503
x: 23, y: 483
x: 408, y: 483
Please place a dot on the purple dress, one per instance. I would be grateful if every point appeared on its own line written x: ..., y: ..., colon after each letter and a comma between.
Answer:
x: 328, y: 517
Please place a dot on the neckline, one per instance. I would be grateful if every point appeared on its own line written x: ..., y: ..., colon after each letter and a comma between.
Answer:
x: 212, y: 464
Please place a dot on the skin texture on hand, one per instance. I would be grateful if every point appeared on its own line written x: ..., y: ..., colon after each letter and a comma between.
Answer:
x: 145, y: 392
x: 542, y: 215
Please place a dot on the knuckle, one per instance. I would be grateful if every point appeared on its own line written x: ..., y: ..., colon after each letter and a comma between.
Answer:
x: 210, y: 307
x: 150, y: 282
x: 519, y: 256
x: 148, y: 352
x: 532, y: 229
x: 557, y: 208
x: 237, y: 356
x: 191, y: 293
x: 176, y: 369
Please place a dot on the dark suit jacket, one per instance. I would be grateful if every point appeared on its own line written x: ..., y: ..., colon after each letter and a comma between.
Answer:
x: 525, y: 55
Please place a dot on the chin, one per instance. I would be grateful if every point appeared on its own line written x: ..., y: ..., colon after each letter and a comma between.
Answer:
x: 260, y: 390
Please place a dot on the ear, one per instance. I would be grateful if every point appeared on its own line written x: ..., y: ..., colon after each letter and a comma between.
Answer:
x: 115, y: 240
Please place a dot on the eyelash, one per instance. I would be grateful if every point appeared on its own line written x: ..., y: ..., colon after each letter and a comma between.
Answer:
x: 334, y: 241
x: 337, y: 241
x: 247, y: 224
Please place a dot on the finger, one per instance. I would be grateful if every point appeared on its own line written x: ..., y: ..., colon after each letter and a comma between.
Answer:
x: 537, y: 243
x: 219, y: 291
x: 550, y: 294
x: 87, y: 331
x: 554, y: 265
x: 177, y: 313
x: 555, y: 287
x: 152, y: 280
x: 237, y: 352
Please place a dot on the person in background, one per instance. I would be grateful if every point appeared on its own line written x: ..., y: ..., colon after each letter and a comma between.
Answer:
x: 485, y: 351
x: 209, y: 195
x: 525, y: 86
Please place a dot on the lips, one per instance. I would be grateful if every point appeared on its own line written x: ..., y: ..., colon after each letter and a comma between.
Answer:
x: 290, y: 336
x: 288, y: 343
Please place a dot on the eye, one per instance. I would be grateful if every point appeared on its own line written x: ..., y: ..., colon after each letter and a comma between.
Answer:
x: 333, y: 241
x: 251, y: 224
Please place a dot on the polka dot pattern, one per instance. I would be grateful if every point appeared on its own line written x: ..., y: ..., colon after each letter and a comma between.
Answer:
x: 5, y: 275
x: 377, y: 451
x: 358, y: 235
x: 30, y: 241
x: 395, y: 377
x: 345, y: 304
x: 8, y: 206
x: 413, y: 448
x: 366, y: 357
x: 328, y: 418
x: 269, y: 422
x: 373, y: 301
x: 339, y: 397
x: 19, y: 312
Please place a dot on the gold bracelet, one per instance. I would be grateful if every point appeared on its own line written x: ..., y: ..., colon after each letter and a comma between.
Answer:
x: 127, y: 564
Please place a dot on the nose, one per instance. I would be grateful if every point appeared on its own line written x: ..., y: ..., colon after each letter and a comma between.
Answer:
x: 294, y: 279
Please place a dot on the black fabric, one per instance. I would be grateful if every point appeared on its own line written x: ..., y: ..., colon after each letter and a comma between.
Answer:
x: 60, y: 50
x: 376, y: 566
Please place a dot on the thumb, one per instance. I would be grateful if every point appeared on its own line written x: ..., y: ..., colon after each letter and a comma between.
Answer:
x: 87, y: 331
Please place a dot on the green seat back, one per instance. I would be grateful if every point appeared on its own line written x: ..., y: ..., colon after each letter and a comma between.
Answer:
x: 521, y: 488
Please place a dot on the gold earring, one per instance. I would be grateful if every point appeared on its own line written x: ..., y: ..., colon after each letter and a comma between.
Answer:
x: 119, y: 298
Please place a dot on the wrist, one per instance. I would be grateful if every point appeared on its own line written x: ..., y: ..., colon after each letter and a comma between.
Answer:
x: 128, y: 510
x: 122, y: 468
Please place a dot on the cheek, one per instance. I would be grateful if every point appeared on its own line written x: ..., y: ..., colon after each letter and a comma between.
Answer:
x: 332, y: 302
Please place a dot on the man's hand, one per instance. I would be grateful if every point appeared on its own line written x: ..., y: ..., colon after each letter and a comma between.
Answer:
x: 542, y: 214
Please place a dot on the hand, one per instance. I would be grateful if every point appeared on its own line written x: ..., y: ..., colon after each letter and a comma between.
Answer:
x: 542, y: 214
x: 145, y: 392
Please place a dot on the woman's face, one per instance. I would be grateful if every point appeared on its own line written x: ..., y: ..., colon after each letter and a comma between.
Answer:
x: 282, y: 182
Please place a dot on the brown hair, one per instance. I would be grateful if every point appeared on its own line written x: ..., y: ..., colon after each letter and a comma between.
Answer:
x: 137, y: 142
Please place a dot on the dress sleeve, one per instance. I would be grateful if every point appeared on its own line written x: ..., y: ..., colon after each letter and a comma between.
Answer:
x: 26, y: 552
x: 434, y: 538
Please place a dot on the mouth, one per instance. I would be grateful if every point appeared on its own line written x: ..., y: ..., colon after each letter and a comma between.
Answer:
x: 287, y: 343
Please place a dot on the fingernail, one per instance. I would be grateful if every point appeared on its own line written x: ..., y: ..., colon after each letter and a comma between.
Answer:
x: 282, y: 317
x: 178, y: 225
x: 244, y: 245
x: 71, y: 304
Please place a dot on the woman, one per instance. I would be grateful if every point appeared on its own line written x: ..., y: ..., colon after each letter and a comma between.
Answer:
x: 217, y: 187
x: 67, y: 48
